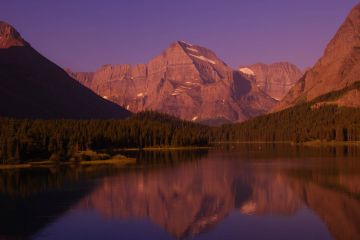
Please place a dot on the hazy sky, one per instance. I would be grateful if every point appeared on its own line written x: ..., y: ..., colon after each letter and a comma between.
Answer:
x: 85, y: 34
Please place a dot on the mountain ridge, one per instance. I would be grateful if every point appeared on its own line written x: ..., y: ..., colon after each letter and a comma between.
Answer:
x: 338, y: 68
x: 187, y: 81
x: 32, y: 86
x: 10, y: 37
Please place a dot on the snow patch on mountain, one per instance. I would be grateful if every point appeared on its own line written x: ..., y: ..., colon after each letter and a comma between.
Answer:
x: 192, y: 49
x: 141, y: 94
x: 203, y: 58
x: 186, y: 43
x: 247, y: 71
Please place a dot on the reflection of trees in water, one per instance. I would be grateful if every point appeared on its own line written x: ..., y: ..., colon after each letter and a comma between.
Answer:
x: 27, y: 195
x: 27, y: 182
x: 167, y: 157
x: 285, y: 150
x: 23, y: 210
x: 22, y: 183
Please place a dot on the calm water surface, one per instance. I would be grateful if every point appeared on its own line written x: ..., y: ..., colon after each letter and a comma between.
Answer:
x: 234, y: 192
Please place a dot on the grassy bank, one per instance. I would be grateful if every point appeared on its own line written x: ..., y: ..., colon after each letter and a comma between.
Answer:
x: 14, y: 166
x: 46, y: 164
x: 80, y: 158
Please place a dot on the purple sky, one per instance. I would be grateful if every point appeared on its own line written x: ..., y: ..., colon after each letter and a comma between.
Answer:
x: 85, y: 34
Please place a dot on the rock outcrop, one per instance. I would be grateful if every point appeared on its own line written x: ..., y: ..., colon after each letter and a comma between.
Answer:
x: 33, y: 87
x: 338, y: 68
x: 274, y: 79
x: 9, y: 37
x: 186, y: 81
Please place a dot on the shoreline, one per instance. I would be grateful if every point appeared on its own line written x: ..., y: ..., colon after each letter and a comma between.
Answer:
x: 46, y: 164
x: 163, y: 148
x: 125, y: 161
x: 314, y: 143
x: 331, y: 143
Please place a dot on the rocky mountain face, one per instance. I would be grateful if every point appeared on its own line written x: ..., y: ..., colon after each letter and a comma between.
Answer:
x: 33, y: 87
x: 185, y: 81
x: 338, y: 68
x: 9, y: 37
x: 274, y: 79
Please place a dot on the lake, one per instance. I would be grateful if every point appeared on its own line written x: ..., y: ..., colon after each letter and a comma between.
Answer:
x: 248, y: 191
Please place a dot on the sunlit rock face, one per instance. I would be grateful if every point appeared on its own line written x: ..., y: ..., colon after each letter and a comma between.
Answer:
x: 338, y: 68
x: 9, y: 37
x: 194, y: 197
x: 186, y: 81
x: 274, y: 79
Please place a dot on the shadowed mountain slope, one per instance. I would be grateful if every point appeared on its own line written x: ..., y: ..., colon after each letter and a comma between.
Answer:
x: 31, y: 86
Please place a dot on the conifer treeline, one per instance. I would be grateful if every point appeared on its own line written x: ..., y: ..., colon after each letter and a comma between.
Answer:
x: 318, y: 119
x: 302, y: 123
x: 22, y: 140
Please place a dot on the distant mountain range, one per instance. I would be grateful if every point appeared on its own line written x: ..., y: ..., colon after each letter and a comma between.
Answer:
x: 190, y: 82
x: 187, y: 81
x: 31, y: 86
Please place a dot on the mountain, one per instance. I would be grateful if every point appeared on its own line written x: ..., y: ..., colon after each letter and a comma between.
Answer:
x: 338, y: 68
x: 31, y: 86
x: 274, y: 79
x: 186, y: 81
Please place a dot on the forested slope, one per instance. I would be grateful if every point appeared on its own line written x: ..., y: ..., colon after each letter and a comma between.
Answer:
x: 324, y: 119
x: 23, y: 140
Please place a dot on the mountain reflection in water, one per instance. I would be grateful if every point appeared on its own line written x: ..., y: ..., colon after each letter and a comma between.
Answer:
x: 251, y: 192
